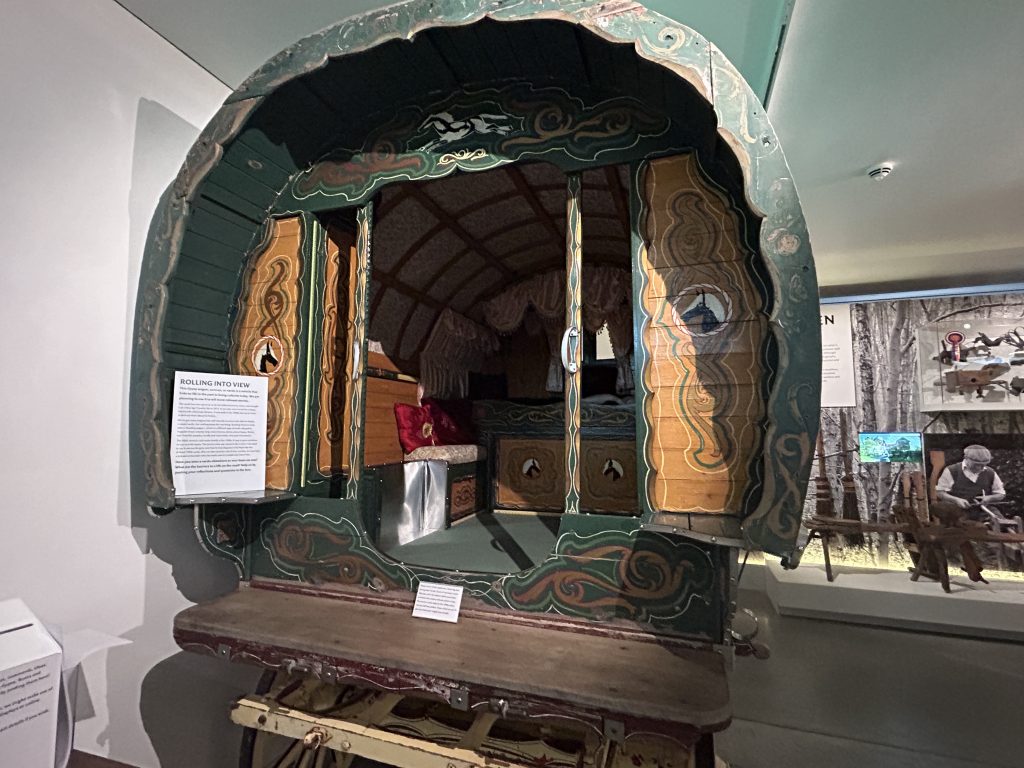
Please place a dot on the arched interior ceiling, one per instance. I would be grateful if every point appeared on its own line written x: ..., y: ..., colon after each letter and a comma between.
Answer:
x: 292, y: 123
x: 458, y: 241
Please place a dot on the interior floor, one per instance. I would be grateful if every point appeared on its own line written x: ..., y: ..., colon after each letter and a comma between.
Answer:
x: 498, y: 541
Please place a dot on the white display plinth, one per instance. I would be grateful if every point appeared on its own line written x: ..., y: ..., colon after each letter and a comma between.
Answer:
x: 891, y: 599
x: 30, y: 662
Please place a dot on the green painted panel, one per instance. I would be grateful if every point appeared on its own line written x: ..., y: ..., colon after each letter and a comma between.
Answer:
x: 247, y: 185
x: 674, y: 585
x: 221, y: 211
x: 202, y: 248
x: 232, y: 201
x: 589, y: 128
x: 199, y: 343
x: 747, y: 31
x: 217, y: 277
x: 360, y: 294
x: 209, y: 323
x: 253, y: 156
x: 203, y: 222
x: 209, y: 299
x: 178, y: 361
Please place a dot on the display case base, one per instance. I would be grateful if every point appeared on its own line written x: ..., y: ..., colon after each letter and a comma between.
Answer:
x: 890, y: 599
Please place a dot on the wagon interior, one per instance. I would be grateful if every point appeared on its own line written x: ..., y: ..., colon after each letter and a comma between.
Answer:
x: 466, y: 318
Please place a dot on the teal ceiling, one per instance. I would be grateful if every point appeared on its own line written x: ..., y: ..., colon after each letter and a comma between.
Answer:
x: 231, y: 38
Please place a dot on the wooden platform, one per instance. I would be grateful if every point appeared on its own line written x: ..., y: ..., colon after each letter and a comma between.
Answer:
x: 535, y: 669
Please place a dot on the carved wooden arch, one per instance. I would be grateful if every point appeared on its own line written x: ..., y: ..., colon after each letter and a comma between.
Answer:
x: 741, y: 124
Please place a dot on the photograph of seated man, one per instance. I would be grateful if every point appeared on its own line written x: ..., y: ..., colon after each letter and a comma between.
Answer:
x: 971, y: 482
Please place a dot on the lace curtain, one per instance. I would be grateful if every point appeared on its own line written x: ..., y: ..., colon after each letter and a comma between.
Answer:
x: 455, y: 347
x: 607, y: 293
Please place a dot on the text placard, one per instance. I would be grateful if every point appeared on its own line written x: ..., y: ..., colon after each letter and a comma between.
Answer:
x: 440, y: 602
x: 218, y: 433
x: 838, y: 385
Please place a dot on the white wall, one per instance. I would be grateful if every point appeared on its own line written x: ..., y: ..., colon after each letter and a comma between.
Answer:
x: 98, y: 114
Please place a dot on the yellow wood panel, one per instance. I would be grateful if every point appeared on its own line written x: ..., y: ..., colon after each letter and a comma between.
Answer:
x: 705, y: 339
x: 608, y: 476
x: 333, y: 438
x: 265, y: 335
x: 380, y: 430
x: 691, y: 303
x: 384, y: 388
x: 743, y: 368
x: 531, y: 474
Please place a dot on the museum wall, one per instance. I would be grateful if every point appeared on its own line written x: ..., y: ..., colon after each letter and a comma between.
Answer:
x: 888, y: 391
x: 99, y: 112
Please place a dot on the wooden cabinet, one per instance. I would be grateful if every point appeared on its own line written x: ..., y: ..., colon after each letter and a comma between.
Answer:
x: 608, y: 476
x: 530, y: 474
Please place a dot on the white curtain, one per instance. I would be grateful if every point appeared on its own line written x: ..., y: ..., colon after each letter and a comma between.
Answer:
x: 607, y: 298
x: 455, y: 347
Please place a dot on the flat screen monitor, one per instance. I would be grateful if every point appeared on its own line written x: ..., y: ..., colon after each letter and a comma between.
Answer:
x: 894, y: 447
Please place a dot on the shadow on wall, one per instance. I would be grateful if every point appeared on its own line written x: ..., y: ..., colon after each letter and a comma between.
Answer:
x: 183, y: 701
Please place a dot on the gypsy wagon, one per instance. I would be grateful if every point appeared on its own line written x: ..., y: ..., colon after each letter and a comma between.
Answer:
x: 534, y: 297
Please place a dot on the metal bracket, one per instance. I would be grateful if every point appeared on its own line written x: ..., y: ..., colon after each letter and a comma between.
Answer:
x: 728, y: 653
x: 458, y: 698
x: 614, y: 731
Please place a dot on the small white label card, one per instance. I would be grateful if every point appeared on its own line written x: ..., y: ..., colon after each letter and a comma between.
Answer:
x: 440, y: 602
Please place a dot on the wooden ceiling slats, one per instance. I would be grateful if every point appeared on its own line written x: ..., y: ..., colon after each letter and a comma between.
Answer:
x: 224, y: 212
x: 391, y: 79
x: 255, y: 157
x: 524, y: 189
x: 486, y: 68
x: 205, y: 297
x: 246, y: 185
x: 624, y: 64
x: 494, y: 39
x: 205, y: 223
x: 196, y: 319
x: 454, y: 59
x: 594, y: 52
x: 429, y: 61
x: 182, y: 361
x: 431, y: 205
x: 202, y: 248
x: 200, y: 343
x: 231, y: 200
x: 214, y: 275
x: 288, y: 142
x: 557, y: 45
x: 394, y: 283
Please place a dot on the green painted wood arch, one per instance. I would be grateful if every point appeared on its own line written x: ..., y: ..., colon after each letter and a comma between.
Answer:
x: 236, y: 172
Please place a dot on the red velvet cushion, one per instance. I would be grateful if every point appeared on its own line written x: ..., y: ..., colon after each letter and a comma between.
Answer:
x: 453, y: 424
x: 415, y: 427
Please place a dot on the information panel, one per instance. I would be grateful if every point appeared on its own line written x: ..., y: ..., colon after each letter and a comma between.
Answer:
x: 838, y: 386
x: 218, y: 433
